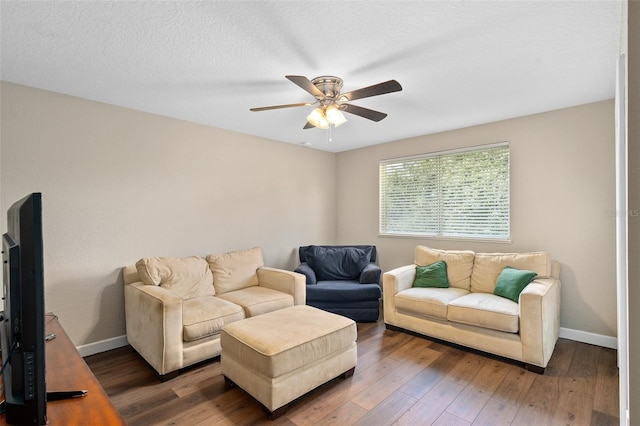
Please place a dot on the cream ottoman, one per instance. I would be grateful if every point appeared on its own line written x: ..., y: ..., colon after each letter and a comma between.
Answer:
x: 281, y: 355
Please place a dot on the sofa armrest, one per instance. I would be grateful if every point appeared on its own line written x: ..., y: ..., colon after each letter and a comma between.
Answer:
x: 154, y: 325
x: 370, y: 274
x: 398, y: 279
x: 289, y: 282
x: 393, y: 282
x: 308, y: 272
x: 539, y: 320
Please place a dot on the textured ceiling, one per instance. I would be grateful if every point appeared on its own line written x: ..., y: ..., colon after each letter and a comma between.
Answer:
x: 460, y: 63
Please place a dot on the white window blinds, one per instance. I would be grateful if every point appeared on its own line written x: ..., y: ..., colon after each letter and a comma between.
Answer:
x: 462, y: 193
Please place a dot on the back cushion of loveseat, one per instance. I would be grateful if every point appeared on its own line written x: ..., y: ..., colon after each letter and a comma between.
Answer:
x: 459, y: 264
x: 235, y: 270
x: 488, y: 266
x: 186, y: 277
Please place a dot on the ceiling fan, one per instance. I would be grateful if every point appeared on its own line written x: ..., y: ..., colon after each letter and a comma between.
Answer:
x: 331, y: 103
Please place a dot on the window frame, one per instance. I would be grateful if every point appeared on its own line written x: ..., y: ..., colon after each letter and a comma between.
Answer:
x: 435, y: 155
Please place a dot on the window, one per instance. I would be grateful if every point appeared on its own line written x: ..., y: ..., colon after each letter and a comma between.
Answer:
x: 461, y: 194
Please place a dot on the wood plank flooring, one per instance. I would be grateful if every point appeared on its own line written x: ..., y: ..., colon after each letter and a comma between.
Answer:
x: 400, y: 379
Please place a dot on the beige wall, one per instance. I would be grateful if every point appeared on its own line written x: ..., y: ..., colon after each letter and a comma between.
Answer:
x: 633, y: 137
x: 119, y: 185
x: 562, y: 199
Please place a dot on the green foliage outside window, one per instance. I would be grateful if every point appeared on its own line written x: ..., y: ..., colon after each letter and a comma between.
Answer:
x: 450, y: 194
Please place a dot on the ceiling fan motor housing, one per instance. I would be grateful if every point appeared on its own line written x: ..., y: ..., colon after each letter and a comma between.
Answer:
x: 329, y: 85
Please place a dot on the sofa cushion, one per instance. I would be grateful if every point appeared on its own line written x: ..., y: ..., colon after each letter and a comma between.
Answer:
x: 338, y: 263
x: 485, y: 310
x: 512, y: 281
x: 434, y: 275
x: 258, y: 300
x: 488, y: 266
x: 459, y: 263
x: 205, y: 316
x: 186, y: 277
x: 235, y: 270
x: 427, y: 302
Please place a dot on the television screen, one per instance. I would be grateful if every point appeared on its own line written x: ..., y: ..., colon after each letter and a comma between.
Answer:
x: 23, y: 329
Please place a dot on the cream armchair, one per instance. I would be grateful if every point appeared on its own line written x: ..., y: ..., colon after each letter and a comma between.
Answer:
x: 175, y: 308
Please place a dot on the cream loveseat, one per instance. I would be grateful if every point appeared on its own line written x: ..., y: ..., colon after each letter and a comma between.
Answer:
x: 468, y: 312
x: 175, y: 307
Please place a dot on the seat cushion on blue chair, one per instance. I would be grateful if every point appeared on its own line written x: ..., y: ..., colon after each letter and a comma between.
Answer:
x: 366, y: 311
x: 352, y: 305
x: 343, y: 291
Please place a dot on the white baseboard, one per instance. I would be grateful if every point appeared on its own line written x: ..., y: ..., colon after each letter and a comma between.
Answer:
x: 565, y: 333
x: 102, y: 346
x: 590, y: 338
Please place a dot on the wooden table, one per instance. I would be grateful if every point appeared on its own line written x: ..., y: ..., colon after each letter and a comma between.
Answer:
x: 66, y: 370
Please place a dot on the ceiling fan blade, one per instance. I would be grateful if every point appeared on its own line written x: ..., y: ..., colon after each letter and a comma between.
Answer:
x: 308, y: 126
x: 279, y: 106
x: 375, y: 90
x: 363, y: 112
x: 306, y: 84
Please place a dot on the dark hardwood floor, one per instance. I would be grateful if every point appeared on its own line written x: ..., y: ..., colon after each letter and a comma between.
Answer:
x: 400, y: 379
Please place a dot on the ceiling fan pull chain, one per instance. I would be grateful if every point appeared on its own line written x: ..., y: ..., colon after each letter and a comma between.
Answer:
x: 329, y: 133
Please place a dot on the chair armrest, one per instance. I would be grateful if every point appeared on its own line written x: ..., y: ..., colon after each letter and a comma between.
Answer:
x: 309, y: 273
x: 539, y: 320
x: 370, y: 274
x: 154, y: 325
x: 288, y: 282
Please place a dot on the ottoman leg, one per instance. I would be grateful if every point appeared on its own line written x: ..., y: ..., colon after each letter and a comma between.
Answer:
x: 272, y: 415
x: 348, y: 373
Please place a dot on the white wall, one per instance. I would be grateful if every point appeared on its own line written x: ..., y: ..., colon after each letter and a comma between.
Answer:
x: 119, y: 185
x: 562, y: 201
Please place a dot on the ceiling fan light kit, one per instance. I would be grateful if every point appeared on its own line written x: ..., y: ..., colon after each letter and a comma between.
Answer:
x: 323, y: 117
x: 334, y: 115
x: 332, y: 103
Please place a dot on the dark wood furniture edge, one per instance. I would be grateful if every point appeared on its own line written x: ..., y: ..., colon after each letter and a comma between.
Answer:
x: 67, y: 371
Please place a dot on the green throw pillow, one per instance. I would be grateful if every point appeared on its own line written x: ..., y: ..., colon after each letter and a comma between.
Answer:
x: 434, y: 275
x: 512, y: 281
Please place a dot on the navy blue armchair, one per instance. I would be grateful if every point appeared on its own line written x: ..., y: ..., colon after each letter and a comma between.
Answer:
x: 344, y: 280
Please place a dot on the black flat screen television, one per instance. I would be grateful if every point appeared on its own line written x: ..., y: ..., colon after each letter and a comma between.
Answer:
x: 23, y: 327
